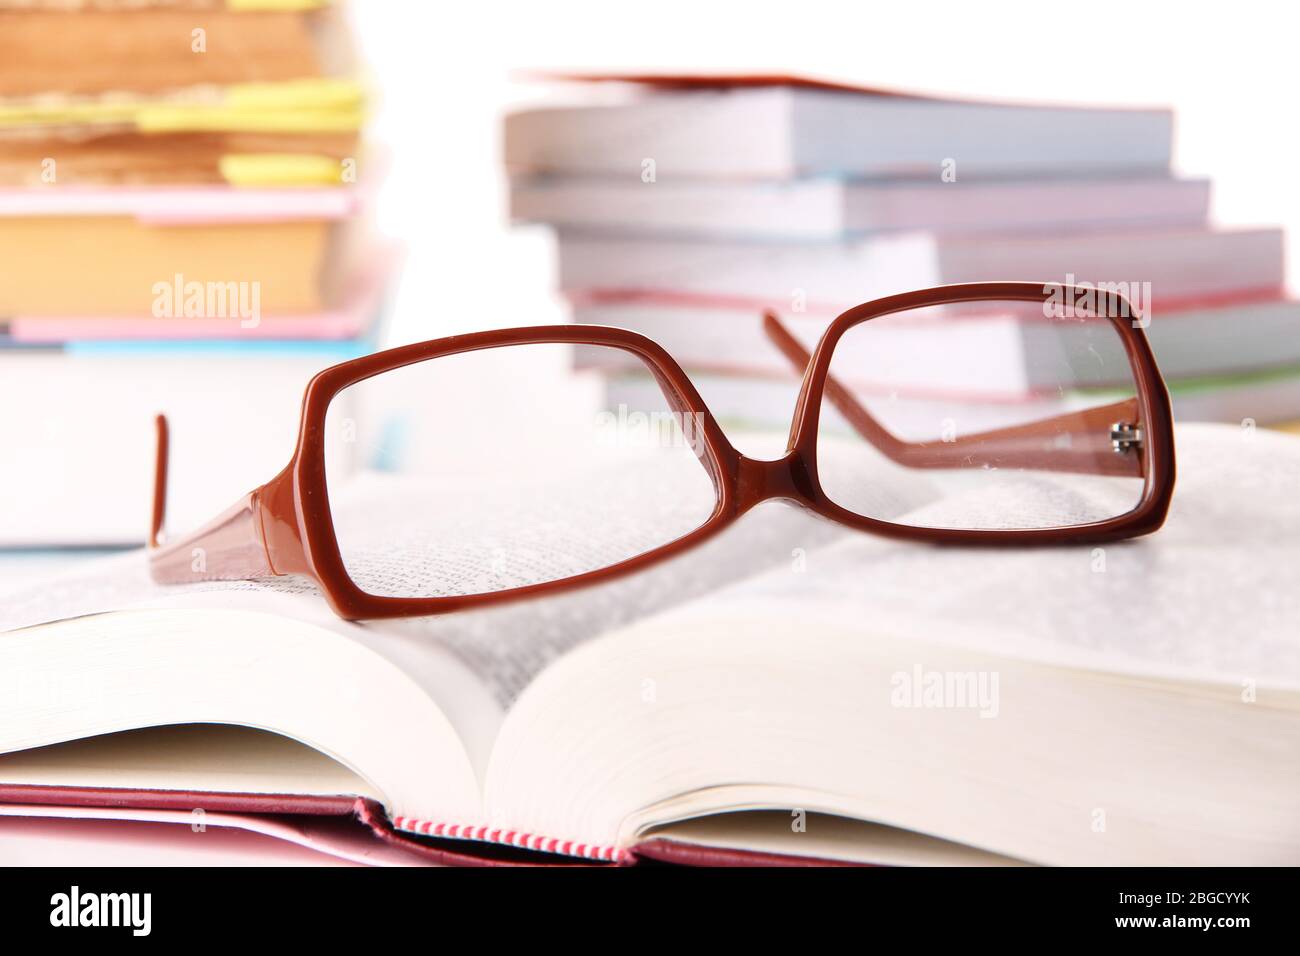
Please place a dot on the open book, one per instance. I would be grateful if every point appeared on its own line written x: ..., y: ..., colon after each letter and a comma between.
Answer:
x: 790, y: 690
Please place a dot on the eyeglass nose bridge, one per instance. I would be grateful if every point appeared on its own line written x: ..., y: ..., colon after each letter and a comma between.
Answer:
x: 759, y: 480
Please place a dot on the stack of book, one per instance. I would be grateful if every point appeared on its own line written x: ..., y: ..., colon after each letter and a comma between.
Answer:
x: 183, y: 230
x: 686, y: 205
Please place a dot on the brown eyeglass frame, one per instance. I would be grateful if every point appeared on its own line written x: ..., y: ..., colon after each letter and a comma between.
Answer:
x: 285, y: 526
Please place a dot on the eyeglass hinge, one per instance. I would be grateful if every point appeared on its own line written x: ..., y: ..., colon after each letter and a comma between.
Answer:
x: 1125, y: 436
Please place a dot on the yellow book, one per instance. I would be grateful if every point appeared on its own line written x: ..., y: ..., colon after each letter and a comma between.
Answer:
x: 109, y: 265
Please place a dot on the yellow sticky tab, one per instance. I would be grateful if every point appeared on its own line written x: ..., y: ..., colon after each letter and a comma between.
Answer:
x: 296, y: 94
x: 179, y: 119
x: 67, y: 114
x: 295, y: 106
x: 280, y: 169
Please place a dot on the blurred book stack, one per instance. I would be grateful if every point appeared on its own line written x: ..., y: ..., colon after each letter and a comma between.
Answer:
x: 686, y: 205
x: 183, y: 229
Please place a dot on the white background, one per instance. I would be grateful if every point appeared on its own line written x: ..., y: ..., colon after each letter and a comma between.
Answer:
x: 445, y: 72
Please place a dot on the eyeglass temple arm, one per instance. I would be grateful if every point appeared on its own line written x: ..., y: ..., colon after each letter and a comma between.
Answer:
x: 1036, y: 445
x: 230, y: 547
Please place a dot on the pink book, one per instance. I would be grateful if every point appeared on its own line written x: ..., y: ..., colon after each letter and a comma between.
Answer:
x: 51, y: 835
x: 183, y: 205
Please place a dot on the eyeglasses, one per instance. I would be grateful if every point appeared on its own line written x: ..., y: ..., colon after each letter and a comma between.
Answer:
x: 1007, y: 413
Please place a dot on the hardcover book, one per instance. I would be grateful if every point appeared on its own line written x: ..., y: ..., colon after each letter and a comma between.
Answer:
x: 787, y: 692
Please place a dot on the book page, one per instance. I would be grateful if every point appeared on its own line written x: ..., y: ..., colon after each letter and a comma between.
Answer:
x: 1216, y: 591
x: 504, y: 646
x: 1214, y: 595
x: 472, y: 664
x: 508, y: 646
x: 423, y: 540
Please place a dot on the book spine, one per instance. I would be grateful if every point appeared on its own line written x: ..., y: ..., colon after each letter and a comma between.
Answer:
x: 515, y: 838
